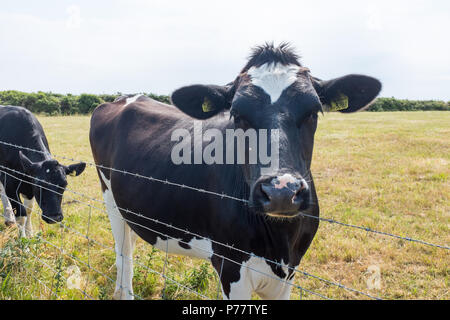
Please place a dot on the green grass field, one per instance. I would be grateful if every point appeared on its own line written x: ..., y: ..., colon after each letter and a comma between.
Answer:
x: 386, y: 171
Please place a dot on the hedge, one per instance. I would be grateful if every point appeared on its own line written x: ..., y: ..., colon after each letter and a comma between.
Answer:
x: 60, y: 104
x: 392, y: 104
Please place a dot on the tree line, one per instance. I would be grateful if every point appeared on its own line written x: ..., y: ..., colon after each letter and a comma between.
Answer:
x: 68, y: 104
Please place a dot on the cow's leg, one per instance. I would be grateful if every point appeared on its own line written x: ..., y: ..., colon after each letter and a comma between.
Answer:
x: 8, y: 212
x: 28, y: 204
x: 19, y: 210
x: 124, y: 239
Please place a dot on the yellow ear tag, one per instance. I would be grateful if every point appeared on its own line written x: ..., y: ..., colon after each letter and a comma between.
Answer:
x: 339, y: 103
x: 207, y: 105
x: 73, y: 173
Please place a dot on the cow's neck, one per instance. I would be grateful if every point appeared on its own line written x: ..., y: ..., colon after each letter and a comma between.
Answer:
x: 37, y: 143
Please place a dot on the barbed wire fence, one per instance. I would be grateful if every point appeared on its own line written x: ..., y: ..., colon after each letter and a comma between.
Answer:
x: 163, y: 274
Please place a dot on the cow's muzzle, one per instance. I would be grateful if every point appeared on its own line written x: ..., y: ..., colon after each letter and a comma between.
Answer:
x: 50, y: 219
x: 281, y: 196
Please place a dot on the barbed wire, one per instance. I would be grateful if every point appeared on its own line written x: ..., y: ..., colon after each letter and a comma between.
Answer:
x: 195, y: 235
x: 105, y: 247
x: 376, y: 231
x: 200, y: 236
x: 223, y: 195
x: 152, y: 270
x: 28, y: 252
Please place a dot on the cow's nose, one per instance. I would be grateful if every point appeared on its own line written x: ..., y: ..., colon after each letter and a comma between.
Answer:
x: 282, y: 195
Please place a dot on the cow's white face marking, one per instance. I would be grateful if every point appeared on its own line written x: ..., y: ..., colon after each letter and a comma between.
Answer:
x: 132, y: 99
x: 256, y: 275
x: 273, y: 78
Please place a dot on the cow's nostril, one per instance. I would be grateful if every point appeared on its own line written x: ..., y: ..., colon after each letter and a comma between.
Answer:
x: 266, y: 191
x: 302, y: 198
x: 303, y: 185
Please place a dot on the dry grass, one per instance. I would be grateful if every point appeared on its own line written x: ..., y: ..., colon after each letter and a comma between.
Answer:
x: 386, y: 171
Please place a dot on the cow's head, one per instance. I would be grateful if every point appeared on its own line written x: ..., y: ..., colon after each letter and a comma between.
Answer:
x: 273, y: 91
x: 49, y: 184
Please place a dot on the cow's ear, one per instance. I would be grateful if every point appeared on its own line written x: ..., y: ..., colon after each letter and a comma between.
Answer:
x: 202, y: 101
x: 28, y: 166
x: 75, y: 169
x: 350, y: 93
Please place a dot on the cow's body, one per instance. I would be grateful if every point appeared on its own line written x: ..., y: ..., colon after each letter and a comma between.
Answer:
x: 141, y: 128
x: 19, y: 127
x: 273, y: 92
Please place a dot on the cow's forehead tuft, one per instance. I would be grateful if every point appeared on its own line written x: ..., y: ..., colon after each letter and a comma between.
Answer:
x: 267, y: 53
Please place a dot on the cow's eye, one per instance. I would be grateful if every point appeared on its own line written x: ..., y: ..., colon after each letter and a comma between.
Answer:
x: 239, y: 121
x: 308, y: 117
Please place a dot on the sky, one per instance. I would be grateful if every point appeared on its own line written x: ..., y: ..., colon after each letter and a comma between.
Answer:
x: 133, y: 46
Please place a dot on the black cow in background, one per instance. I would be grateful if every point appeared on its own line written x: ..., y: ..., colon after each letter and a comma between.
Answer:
x: 18, y: 126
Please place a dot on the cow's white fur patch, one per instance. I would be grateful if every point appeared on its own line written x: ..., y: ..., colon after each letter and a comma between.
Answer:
x: 256, y: 275
x: 8, y: 213
x: 273, y: 78
x: 132, y: 99
x: 200, y: 248
x: 28, y: 204
x: 21, y: 221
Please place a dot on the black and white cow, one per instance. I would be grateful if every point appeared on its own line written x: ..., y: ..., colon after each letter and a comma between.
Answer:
x: 19, y: 127
x: 273, y: 91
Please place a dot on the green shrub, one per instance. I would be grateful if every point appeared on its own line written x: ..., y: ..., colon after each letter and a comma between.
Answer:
x: 12, y: 97
x: 46, y: 103
x: 392, y: 104
x: 109, y: 97
x: 69, y: 105
x: 88, y: 102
